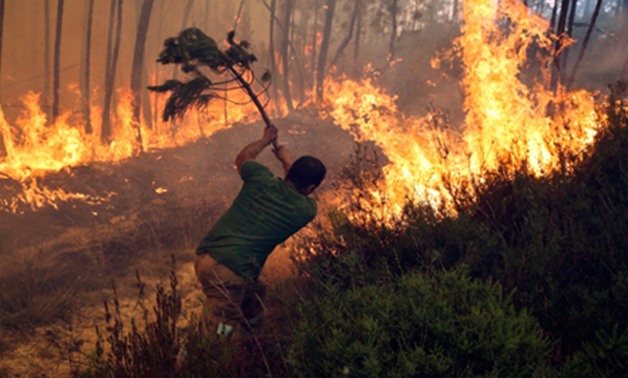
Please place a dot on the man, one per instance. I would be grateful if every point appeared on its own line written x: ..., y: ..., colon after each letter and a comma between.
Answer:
x: 266, y: 211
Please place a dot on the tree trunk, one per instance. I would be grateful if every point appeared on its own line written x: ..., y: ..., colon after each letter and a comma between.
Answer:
x: 569, y: 31
x: 1, y: 34
x: 271, y: 49
x: 356, y: 45
x: 585, y: 43
x: 285, y: 58
x: 138, y: 67
x: 454, y: 12
x: 553, y: 19
x: 393, y: 32
x: 322, y: 59
x: 46, y: 99
x: 57, y: 63
x: 3, y: 149
x: 345, y: 42
x: 314, y: 38
x: 155, y: 113
x: 562, y: 21
x: 112, y: 62
x: 86, y: 70
x: 623, y: 75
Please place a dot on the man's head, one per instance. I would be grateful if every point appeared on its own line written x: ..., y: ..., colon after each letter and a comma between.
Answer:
x: 306, y: 174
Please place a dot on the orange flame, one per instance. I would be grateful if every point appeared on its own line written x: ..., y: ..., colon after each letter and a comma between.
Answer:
x: 34, y: 148
x: 507, y: 124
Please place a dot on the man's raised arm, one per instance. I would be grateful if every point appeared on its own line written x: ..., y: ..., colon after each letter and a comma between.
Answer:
x: 251, y: 150
x: 283, y: 155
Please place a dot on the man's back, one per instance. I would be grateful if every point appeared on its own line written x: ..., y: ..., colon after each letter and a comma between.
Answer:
x: 264, y: 214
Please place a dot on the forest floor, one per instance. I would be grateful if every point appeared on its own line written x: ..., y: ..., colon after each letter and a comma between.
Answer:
x: 58, y: 265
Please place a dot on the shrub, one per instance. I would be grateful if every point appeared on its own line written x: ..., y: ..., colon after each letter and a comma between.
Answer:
x: 160, y: 346
x: 442, y: 324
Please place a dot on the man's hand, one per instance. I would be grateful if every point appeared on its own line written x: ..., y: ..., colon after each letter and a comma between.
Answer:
x: 251, y: 150
x: 270, y: 134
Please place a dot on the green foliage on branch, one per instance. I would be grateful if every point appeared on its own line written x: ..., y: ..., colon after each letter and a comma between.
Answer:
x: 198, y: 56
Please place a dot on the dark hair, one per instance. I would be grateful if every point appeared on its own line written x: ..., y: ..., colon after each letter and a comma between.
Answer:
x: 306, y: 171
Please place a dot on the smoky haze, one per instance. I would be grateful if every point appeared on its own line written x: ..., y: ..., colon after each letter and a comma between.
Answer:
x: 422, y: 28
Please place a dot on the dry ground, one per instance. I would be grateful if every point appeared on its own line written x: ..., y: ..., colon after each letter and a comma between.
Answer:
x: 79, y: 249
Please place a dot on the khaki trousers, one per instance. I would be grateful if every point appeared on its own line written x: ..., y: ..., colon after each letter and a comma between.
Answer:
x: 231, y: 299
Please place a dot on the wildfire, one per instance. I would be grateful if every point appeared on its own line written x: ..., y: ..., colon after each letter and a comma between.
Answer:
x: 508, y: 124
x: 34, y: 148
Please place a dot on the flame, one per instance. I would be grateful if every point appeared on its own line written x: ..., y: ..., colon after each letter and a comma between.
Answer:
x: 35, y: 148
x: 508, y: 124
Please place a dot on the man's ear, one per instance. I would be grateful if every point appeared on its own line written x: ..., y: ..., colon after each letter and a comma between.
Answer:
x: 309, y: 189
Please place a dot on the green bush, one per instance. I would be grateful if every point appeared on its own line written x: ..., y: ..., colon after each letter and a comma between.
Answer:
x: 423, y: 325
x: 605, y: 356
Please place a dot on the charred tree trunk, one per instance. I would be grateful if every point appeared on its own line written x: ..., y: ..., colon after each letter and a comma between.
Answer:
x: 46, y: 100
x: 86, y: 70
x: 569, y: 31
x: 285, y: 57
x: 322, y: 59
x: 3, y: 149
x: 314, y: 38
x: 354, y: 16
x: 554, y: 14
x: 585, y: 43
x: 271, y: 49
x: 393, y: 33
x: 112, y: 62
x: 560, y: 30
x: 623, y: 75
x: 1, y: 34
x: 356, y: 45
x: 138, y: 66
x: 57, y: 63
x: 454, y: 12
x: 155, y: 113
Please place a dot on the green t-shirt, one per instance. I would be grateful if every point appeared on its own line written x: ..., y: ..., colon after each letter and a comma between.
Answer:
x: 265, y: 213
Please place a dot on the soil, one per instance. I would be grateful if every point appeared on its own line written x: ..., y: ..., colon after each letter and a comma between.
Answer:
x: 160, y: 204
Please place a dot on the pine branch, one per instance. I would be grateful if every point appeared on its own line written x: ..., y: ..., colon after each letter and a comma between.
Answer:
x: 194, y: 52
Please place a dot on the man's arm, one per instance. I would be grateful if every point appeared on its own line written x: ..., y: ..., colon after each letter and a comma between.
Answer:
x: 251, y: 150
x: 283, y: 155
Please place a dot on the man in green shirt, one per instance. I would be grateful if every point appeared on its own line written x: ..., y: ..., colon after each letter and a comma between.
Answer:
x: 266, y: 212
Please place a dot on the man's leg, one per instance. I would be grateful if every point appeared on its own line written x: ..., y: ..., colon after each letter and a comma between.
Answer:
x: 253, y: 306
x: 224, y: 290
